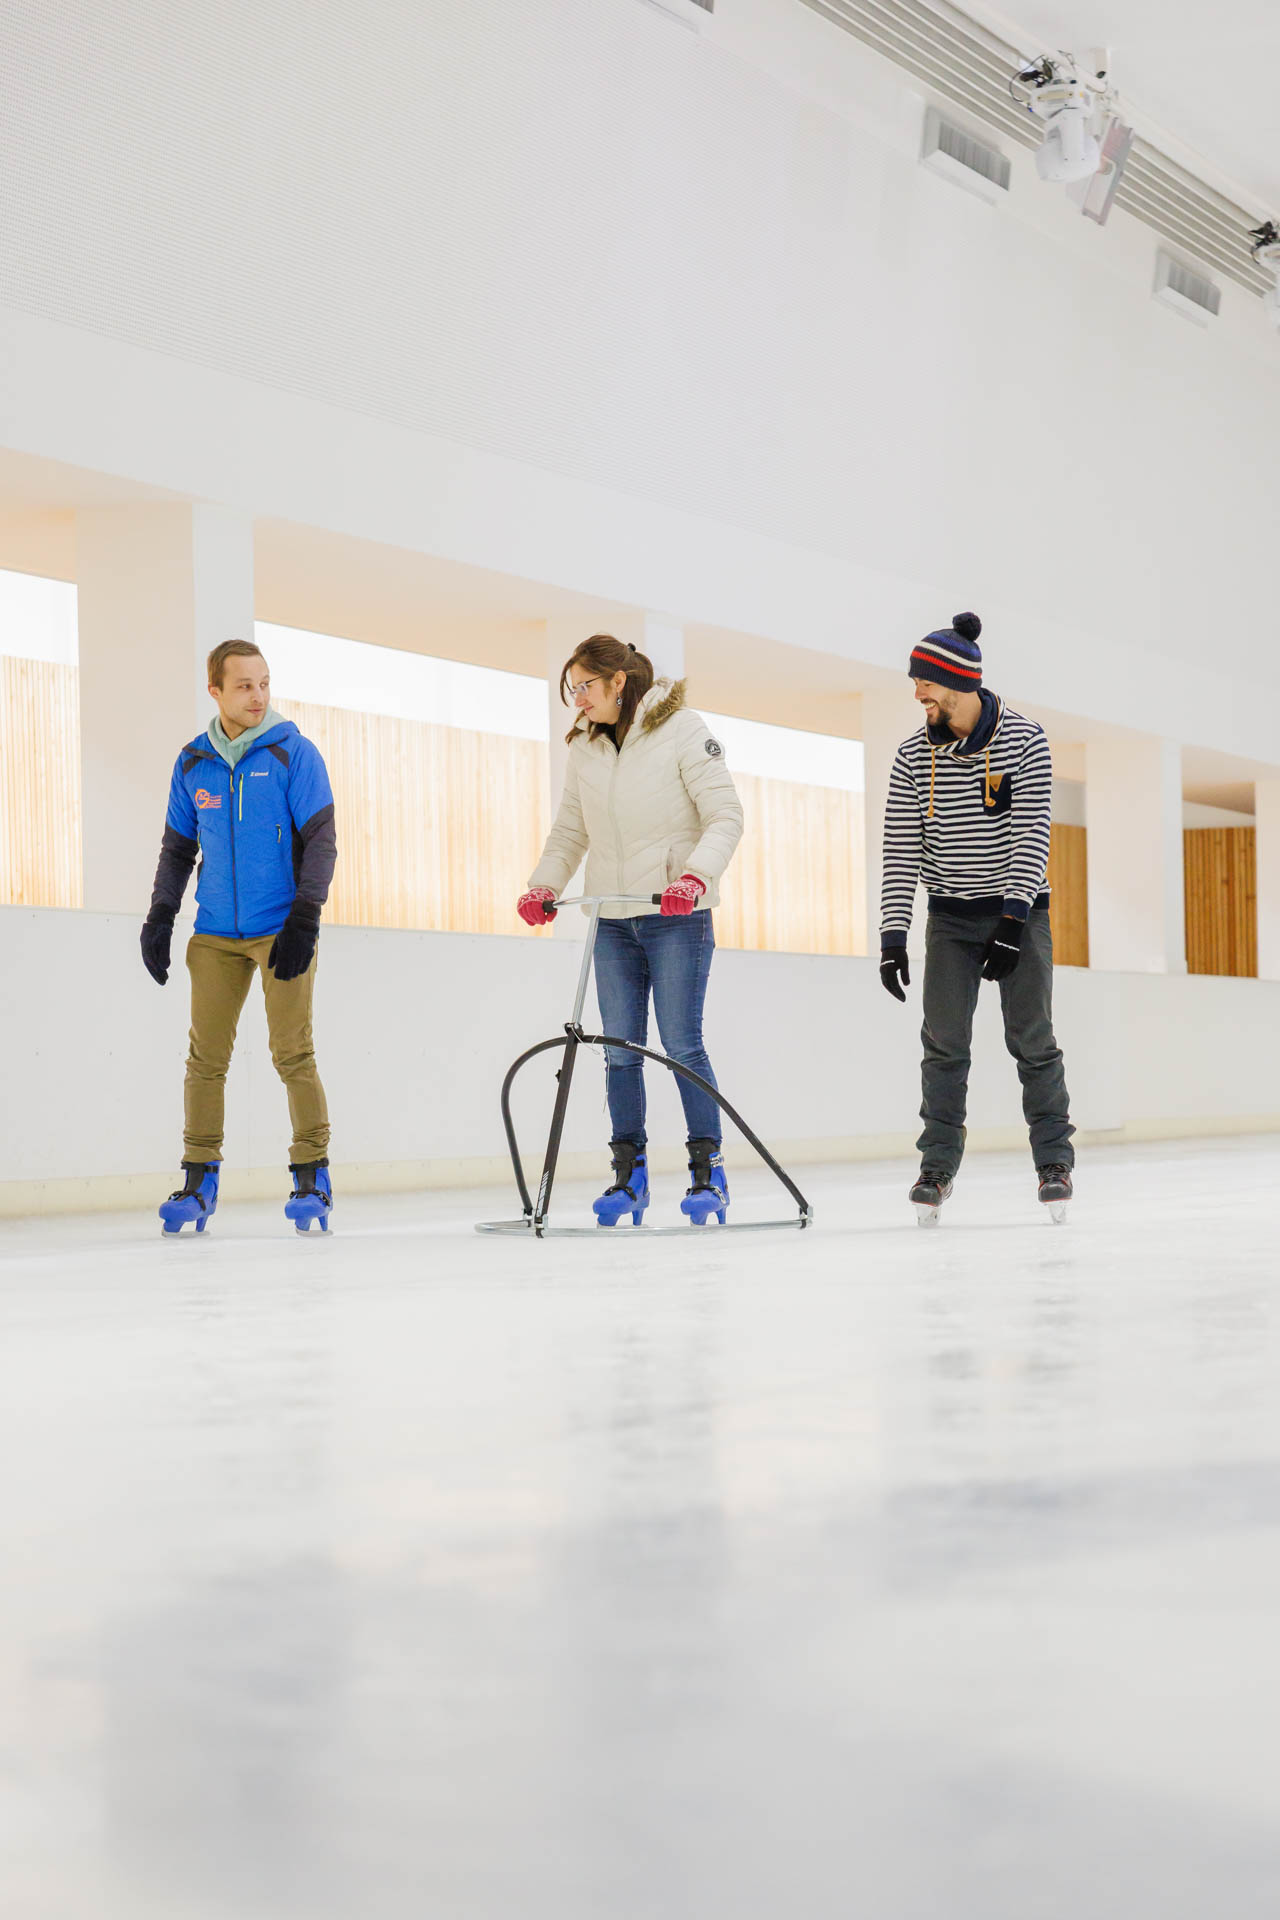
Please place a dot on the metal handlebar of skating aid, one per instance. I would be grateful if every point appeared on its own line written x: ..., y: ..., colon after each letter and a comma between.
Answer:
x: 535, y: 1216
x: 595, y: 901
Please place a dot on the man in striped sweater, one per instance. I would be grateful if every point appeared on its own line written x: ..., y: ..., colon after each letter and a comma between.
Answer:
x: 968, y: 814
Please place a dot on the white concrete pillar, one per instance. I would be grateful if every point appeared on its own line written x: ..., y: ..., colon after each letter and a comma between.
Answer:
x: 157, y: 588
x: 663, y: 641
x: 1267, y: 820
x: 657, y: 636
x: 889, y: 715
x: 560, y: 638
x: 1133, y: 809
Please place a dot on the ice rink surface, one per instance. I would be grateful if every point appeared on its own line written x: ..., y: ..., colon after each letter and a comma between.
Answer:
x: 863, y: 1572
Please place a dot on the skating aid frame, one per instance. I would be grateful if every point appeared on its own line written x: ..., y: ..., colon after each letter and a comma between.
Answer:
x: 534, y: 1219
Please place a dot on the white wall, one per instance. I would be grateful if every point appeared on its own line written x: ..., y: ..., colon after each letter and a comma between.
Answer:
x: 568, y: 292
x: 415, y: 1031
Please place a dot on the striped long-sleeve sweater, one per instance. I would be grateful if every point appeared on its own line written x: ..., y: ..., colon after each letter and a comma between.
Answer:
x: 970, y: 818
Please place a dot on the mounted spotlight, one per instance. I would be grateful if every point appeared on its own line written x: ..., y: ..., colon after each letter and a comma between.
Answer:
x: 1073, y: 97
x: 1264, y: 245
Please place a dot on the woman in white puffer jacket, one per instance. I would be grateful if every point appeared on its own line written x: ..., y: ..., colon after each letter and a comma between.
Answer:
x: 650, y: 802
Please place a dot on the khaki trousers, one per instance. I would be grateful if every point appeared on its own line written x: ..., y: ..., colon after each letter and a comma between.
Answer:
x: 221, y: 971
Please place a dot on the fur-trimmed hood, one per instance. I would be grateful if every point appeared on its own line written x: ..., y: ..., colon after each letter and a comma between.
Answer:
x: 664, y: 698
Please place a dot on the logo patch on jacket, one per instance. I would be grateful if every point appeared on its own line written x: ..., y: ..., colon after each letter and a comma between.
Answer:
x: 715, y: 749
x: 205, y: 799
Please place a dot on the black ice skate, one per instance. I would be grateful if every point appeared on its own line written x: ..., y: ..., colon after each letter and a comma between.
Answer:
x: 1055, y: 1191
x: 928, y: 1194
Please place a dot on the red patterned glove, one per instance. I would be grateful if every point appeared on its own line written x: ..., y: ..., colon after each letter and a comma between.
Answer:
x: 532, y: 906
x: 683, y: 895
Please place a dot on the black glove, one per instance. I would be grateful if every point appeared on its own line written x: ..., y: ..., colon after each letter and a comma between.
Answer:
x: 293, y: 947
x: 894, y: 971
x: 1003, y: 949
x: 157, y: 935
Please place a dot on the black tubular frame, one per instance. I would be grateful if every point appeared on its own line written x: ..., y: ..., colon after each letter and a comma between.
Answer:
x: 574, y: 1038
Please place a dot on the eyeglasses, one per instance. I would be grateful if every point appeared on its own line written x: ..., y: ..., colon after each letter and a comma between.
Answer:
x: 584, y: 684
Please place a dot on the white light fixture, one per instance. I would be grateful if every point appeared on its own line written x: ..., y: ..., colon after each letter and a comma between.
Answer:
x: 1072, y: 96
x: 1265, y: 248
x: 1096, y: 196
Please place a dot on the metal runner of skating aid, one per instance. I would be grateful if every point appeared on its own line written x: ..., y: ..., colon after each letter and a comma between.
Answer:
x: 534, y: 1219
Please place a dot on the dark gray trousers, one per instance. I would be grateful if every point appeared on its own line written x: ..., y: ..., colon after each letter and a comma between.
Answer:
x: 954, y: 949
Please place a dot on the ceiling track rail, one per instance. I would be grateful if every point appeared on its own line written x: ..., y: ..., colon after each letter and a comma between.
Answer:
x: 960, y: 60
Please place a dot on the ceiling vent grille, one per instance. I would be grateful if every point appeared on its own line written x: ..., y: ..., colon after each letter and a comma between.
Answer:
x: 961, y: 61
x: 690, y: 13
x: 1187, y: 292
x: 957, y: 156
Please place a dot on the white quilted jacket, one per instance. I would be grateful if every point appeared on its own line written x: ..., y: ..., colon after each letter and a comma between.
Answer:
x: 663, y: 805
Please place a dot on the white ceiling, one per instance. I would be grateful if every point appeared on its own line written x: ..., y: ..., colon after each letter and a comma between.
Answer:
x: 1205, y: 75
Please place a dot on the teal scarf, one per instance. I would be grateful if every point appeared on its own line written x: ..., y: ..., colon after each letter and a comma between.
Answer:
x: 231, y: 750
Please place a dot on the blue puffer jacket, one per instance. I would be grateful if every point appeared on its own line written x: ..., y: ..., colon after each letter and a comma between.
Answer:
x: 262, y: 830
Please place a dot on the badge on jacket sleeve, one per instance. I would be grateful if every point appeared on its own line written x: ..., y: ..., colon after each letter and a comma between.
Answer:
x: 715, y: 749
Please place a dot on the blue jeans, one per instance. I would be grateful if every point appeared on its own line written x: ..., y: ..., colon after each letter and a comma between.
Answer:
x: 672, y: 955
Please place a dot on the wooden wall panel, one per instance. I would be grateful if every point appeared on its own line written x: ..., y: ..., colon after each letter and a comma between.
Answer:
x: 1220, y: 867
x: 40, y: 838
x: 438, y: 827
x: 1069, y: 894
x: 796, y: 883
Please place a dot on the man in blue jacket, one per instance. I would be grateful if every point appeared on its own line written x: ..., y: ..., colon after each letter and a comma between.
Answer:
x: 250, y: 799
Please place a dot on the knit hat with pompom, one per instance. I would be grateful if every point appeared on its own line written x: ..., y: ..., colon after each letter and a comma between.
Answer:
x: 950, y: 657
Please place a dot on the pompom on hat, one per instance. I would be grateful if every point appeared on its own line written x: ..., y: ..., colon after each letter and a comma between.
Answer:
x: 951, y: 657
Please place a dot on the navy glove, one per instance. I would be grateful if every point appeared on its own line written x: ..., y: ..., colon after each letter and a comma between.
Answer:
x: 894, y: 971
x: 157, y: 937
x: 294, y: 946
x: 1003, y: 949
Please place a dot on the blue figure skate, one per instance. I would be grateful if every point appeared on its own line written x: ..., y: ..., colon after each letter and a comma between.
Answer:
x: 630, y: 1190
x: 708, y: 1188
x: 312, y: 1196
x: 194, y: 1204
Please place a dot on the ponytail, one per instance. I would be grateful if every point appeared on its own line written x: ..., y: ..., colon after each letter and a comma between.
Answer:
x: 604, y: 656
